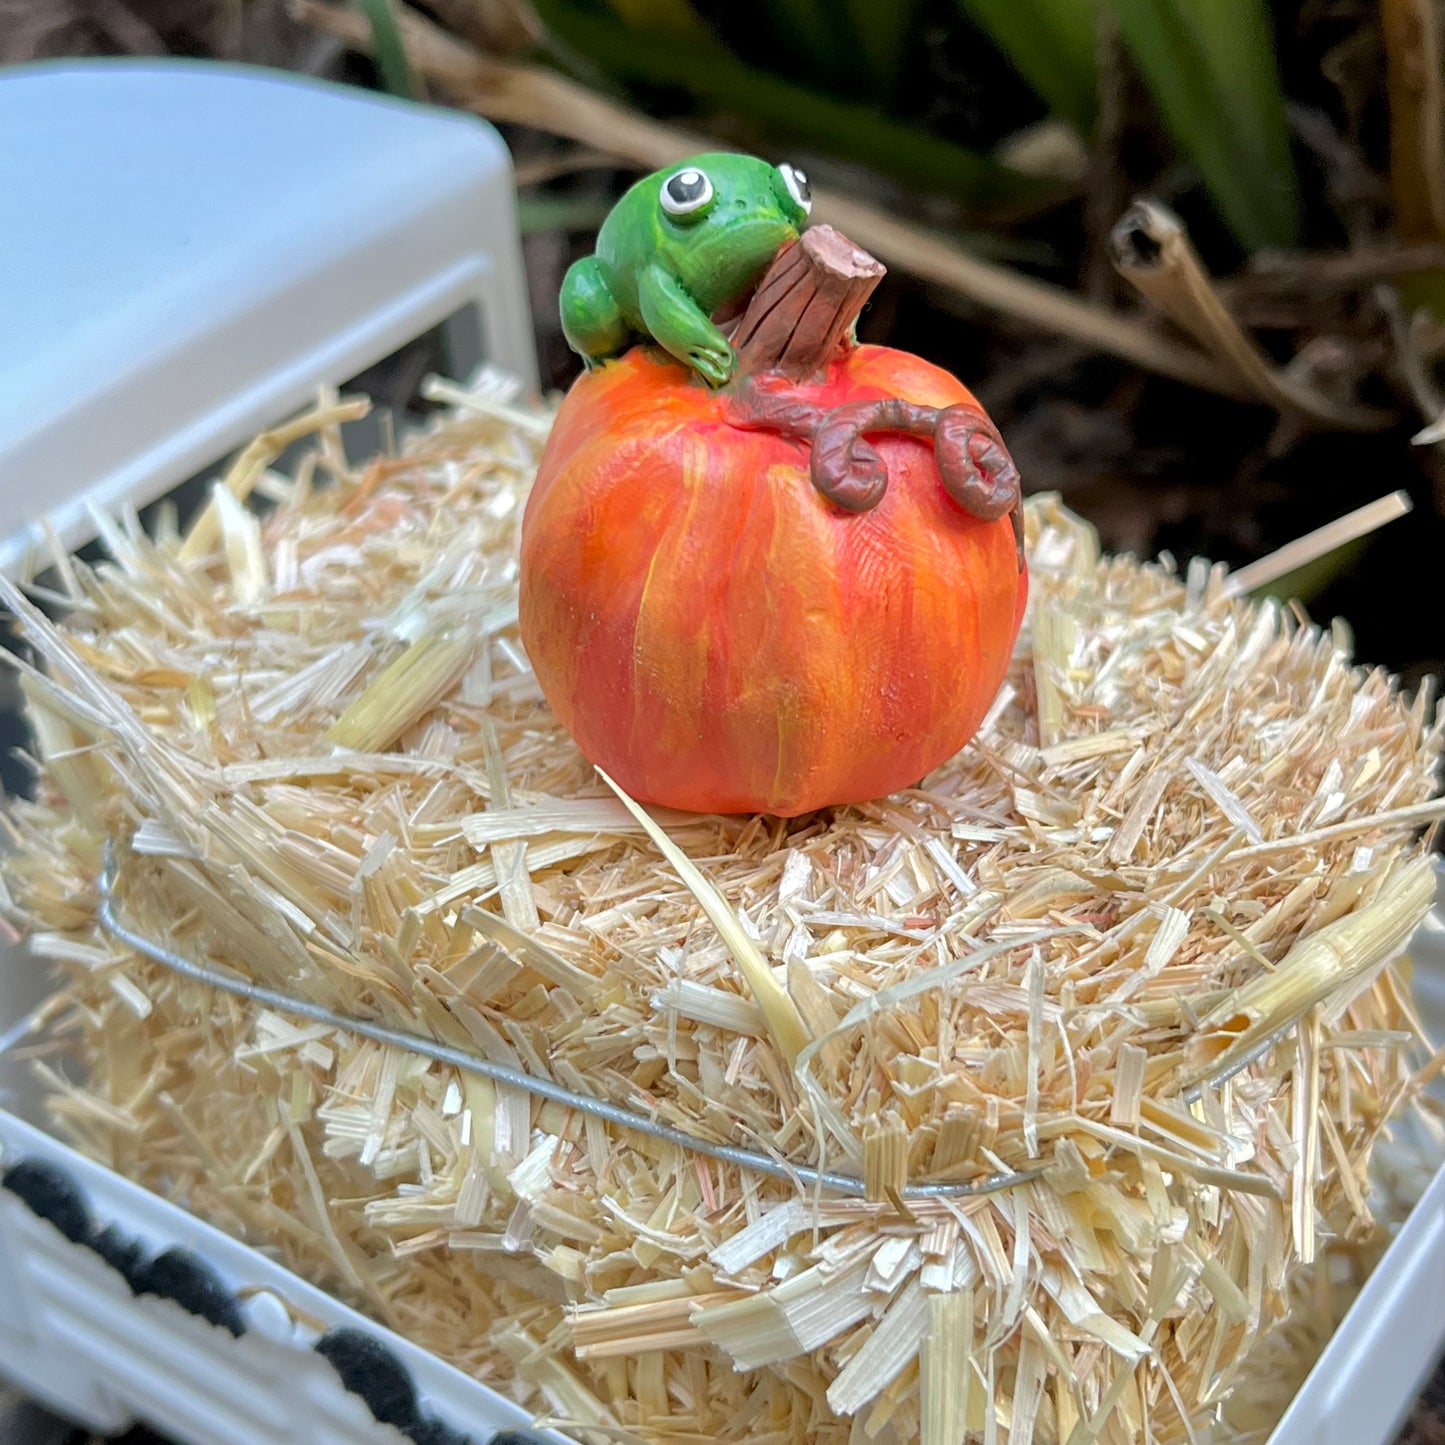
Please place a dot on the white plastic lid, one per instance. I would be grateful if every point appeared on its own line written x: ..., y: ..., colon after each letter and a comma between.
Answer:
x: 187, y: 250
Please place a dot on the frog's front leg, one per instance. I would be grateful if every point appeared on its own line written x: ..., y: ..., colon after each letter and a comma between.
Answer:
x: 592, y: 322
x: 679, y: 326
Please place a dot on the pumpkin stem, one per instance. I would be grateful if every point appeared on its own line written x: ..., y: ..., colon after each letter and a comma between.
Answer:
x: 800, y: 317
x: 973, y: 463
x: 977, y: 471
x: 844, y: 468
x: 805, y: 307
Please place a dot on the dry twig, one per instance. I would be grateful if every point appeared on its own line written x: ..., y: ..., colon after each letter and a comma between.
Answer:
x: 1411, y: 29
x: 1152, y: 250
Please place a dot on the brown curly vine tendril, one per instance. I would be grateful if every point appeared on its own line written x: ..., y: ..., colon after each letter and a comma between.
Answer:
x: 973, y: 463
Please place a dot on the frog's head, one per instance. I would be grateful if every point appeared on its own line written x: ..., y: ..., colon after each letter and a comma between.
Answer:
x: 721, y: 218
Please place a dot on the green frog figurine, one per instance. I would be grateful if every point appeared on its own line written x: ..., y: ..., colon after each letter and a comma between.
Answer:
x: 680, y: 245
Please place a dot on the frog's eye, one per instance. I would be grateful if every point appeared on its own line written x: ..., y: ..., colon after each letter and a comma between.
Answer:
x: 686, y: 193
x: 798, y: 188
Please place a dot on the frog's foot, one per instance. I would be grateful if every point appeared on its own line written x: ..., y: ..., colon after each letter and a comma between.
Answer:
x: 714, y: 364
x: 673, y: 320
x: 591, y: 320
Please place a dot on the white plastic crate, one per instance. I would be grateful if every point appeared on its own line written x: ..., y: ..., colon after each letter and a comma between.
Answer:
x: 168, y: 307
x: 189, y: 251
x: 74, y: 1337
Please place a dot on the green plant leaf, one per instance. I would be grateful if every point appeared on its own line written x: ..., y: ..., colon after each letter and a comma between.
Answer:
x: 811, y: 28
x: 1052, y: 45
x: 673, y: 18
x: 792, y: 112
x: 1209, y: 65
x: 882, y: 30
x: 388, y: 49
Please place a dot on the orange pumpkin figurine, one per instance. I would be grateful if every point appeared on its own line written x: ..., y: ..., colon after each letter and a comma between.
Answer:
x: 797, y: 588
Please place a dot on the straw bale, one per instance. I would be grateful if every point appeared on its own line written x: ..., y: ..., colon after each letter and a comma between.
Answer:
x: 1134, y: 944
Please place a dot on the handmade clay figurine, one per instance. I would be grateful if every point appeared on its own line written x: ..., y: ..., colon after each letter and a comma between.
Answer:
x: 732, y: 599
x: 677, y: 247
